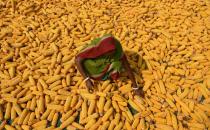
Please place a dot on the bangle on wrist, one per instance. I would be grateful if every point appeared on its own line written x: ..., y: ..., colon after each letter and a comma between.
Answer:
x: 86, y: 79
x: 135, y: 88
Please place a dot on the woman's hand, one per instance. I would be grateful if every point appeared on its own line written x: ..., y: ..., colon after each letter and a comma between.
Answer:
x: 89, y: 85
x: 88, y: 82
x: 139, y: 92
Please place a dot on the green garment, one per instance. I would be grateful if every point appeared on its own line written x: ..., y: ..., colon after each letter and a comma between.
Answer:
x: 106, y: 64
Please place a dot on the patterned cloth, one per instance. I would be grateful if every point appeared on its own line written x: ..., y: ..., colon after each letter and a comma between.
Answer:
x: 102, y: 58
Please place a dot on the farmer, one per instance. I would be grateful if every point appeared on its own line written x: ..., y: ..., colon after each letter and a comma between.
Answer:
x: 103, y: 58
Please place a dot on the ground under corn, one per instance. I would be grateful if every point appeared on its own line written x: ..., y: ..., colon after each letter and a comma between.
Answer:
x: 168, y: 47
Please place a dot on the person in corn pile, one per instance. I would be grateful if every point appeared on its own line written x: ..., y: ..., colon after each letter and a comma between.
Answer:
x: 104, y: 59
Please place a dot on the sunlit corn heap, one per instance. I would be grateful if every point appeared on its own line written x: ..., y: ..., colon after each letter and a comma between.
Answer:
x: 168, y: 47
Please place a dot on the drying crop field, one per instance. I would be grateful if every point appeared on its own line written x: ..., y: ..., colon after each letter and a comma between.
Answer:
x: 168, y: 47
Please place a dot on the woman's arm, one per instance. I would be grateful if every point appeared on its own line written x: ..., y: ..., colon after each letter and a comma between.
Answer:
x: 89, y: 83
x: 126, y: 65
